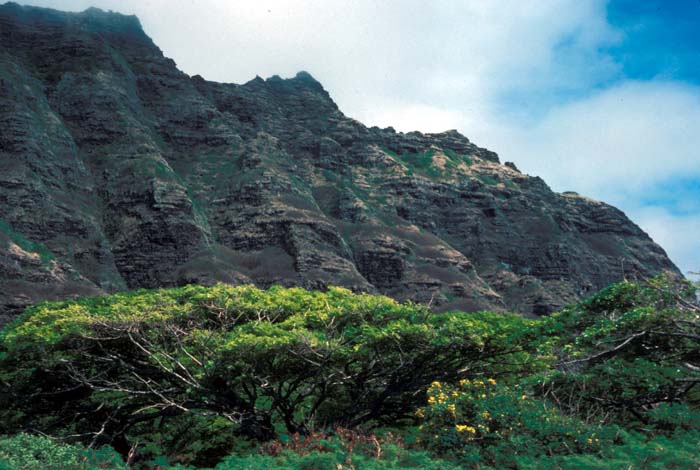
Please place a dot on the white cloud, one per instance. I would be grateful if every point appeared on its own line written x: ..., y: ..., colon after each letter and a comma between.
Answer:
x: 678, y: 234
x: 622, y: 145
x: 616, y: 143
x: 423, y: 117
x: 441, y: 53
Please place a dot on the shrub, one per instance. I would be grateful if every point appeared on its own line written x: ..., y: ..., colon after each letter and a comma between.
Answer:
x: 482, y: 422
x: 678, y: 452
x: 154, y: 366
x: 343, y: 449
x: 29, y: 452
x: 625, y: 351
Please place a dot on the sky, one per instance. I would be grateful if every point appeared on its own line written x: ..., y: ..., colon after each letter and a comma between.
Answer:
x: 598, y: 97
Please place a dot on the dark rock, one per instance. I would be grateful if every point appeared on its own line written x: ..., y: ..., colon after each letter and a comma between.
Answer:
x: 119, y: 171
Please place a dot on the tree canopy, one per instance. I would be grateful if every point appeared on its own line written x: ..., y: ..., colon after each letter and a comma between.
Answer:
x: 194, y: 374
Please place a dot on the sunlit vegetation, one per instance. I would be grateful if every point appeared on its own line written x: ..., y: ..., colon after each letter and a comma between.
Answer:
x: 239, y: 377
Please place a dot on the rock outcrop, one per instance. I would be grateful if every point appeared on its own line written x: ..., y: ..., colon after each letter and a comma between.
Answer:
x: 119, y: 171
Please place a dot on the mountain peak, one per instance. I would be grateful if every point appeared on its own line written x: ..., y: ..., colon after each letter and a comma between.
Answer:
x: 113, y: 17
x: 301, y: 79
x: 304, y: 76
x: 120, y: 171
x: 92, y: 19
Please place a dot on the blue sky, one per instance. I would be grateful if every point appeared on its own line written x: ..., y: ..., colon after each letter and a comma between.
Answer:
x: 655, y: 46
x: 599, y: 97
x: 661, y: 38
x: 661, y: 41
x: 653, y: 39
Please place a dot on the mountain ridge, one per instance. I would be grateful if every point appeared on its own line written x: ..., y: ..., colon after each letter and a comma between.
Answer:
x: 120, y: 171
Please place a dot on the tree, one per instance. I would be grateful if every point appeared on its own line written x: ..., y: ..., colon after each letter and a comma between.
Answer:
x: 116, y: 369
x: 626, y: 350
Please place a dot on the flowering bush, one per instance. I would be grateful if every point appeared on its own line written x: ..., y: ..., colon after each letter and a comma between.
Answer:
x: 480, y: 421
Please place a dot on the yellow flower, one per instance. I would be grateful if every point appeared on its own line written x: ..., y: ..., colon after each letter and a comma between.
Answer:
x: 524, y: 397
x: 436, y: 384
x: 465, y: 428
x: 483, y: 395
x: 451, y: 408
x: 492, y: 381
x: 431, y: 400
x: 464, y: 382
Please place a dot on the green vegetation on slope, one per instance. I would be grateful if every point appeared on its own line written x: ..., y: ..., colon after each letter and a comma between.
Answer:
x: 238, y: 377
x: 424, y: 164
x: 26, y: 244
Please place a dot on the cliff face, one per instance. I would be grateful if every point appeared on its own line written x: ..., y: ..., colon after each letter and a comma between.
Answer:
x: 119, y: 171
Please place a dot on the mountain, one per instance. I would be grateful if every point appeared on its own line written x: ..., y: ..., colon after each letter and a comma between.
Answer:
x: 118, y: 171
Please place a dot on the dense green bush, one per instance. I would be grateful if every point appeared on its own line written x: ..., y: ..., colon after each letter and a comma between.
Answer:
x: 393, y: 459
x: 622, y: 390
x: 678, y: 452
x: 481, y: 422
x: 344, y: 449
x: 28, y: 452
x: 624, y: 351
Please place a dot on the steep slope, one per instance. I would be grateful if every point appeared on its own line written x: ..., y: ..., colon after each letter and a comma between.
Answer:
x: 119, y: 171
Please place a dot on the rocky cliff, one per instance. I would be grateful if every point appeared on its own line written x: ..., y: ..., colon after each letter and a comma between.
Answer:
x: 119, y: 171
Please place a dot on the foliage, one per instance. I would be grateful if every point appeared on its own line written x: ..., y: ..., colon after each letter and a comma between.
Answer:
x: 624, y: 351
x: 455, y: 158
x: 24, y: 243
x: 423, y: 162
x: 622, y: 390
x: 333, y: 458
x: 482, y: 422
x: 241, y: 377
x: 487, y: 179
x: 343, y: 449
x: 680, y: 451
x: 237, y: 361
x: 28, y: 452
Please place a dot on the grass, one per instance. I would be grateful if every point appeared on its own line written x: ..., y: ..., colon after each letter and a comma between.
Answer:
x: 456, y: 158
x: 422, y: 162
x: 26, y: 244
x: 486, y: 179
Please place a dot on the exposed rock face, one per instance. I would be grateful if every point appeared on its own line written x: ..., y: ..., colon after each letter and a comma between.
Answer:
x: 119, y: 171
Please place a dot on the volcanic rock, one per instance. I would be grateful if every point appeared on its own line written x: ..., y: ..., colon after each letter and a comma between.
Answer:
x: 118, y: 171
